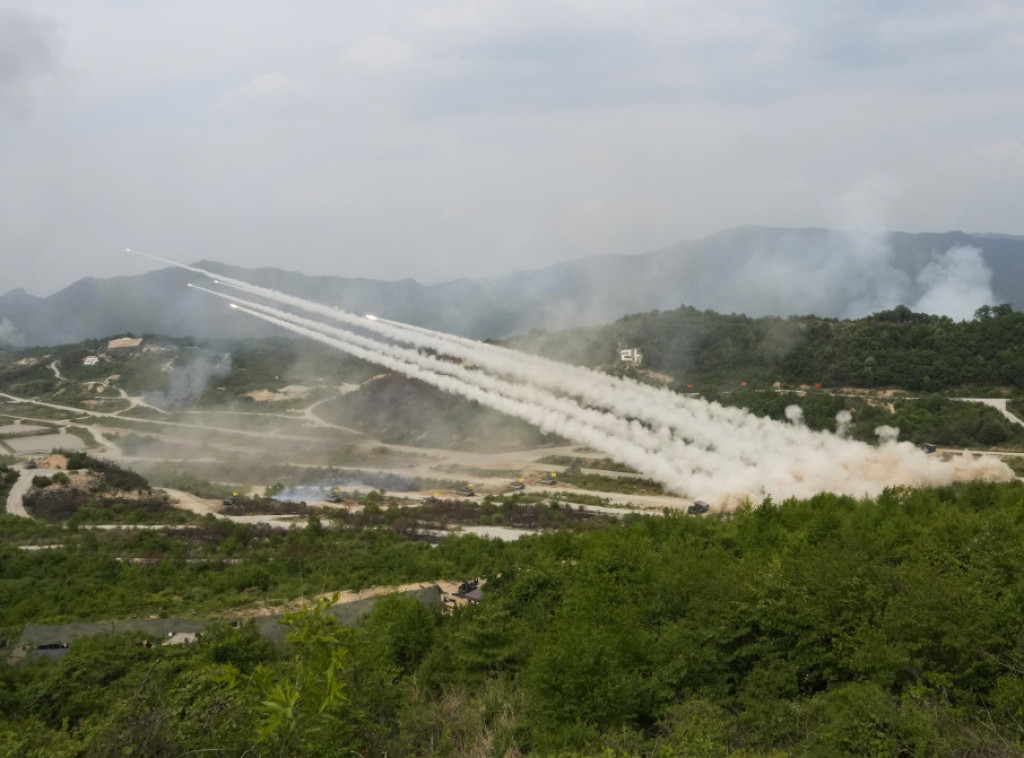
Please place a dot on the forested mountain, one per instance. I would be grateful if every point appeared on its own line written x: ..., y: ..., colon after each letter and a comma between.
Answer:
x: 753, y: 270
x: 895, y: 348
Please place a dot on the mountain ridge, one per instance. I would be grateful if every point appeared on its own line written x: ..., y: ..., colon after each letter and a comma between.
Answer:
x: 755, y: 270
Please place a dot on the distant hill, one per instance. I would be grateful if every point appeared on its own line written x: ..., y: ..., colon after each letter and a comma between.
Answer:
x: 753, y: 270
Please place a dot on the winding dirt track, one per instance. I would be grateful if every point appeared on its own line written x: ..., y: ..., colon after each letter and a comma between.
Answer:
x: 998, y: 403
x: 16, y: 497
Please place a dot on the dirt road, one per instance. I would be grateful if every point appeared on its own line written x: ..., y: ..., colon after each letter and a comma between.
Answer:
x: 186, y: 501
x: 16, y: 497
x: 77, y: 413
x: 998, y: 403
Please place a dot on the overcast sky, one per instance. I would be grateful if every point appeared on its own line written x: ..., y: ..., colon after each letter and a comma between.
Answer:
x: 471, y: 137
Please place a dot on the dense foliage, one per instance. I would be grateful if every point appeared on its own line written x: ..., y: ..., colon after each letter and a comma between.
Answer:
x: 213, y: 565
x: 8, y: 477
x: 934, y: 418
x: 109, y: 494
x: 825, y: 627
x: 896, y: 348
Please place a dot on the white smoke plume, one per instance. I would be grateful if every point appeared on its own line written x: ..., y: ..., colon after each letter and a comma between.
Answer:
x: 9, y: 334
x: 843, y: 421
x: 795, y: 414
x: 703, y: 450
x: 604, y: 421
x: 546, y: 419
x: 666, y: 411
x: 188, y: 383
x: 850, y: 274
x: 957, y: 283
x: 887, y: 435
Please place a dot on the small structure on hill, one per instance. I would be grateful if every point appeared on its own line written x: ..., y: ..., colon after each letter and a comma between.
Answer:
x: 125, y: 344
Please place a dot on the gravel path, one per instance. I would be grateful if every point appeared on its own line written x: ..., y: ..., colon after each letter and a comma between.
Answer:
x: 16, y: 497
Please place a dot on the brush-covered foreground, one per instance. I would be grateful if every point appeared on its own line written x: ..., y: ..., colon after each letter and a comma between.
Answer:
x: 825, y: 627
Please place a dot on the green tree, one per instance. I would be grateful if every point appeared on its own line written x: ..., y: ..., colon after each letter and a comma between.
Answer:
x: 301, y: 703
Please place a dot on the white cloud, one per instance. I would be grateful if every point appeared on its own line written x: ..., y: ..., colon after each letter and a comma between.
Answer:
x: 501, y: 133
x: 271, y: 92
x: 379, y: 51
x: 1007, y: 152
x: 28, y: 58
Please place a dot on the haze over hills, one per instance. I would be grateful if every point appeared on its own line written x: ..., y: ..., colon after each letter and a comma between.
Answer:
x: 753, y: 270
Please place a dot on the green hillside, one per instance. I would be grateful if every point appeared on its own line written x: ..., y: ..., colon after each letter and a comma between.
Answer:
x: 897, y: 348
x: 825, y: 627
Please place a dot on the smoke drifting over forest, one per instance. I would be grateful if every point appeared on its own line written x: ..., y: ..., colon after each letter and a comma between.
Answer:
x: 693, y: 447
x: 850, y: 275
x: 189, y: 382
x: 9, y: 335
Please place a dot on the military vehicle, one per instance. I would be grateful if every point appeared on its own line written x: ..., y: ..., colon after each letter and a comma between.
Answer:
x: 335, y: 496
x: 517, y: 485
x: 549, y: 478
x: 466, y: 491
x: 470, y: 590
x: 928, y: 447
x: 31, y: 464
x: 699, y: 507
x: 432, y: 499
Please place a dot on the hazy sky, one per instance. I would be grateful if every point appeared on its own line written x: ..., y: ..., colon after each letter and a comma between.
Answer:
x: 465, y: 138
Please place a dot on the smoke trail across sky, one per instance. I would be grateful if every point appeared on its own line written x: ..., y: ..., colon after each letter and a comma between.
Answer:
x: 548, y: 420
x: 659, y: 408
x: 693, y: 447
x: 618, y: 429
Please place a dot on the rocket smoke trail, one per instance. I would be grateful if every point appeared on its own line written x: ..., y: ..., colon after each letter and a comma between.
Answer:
x: 659, y: 408
x: 693, y: 447
x: 603, y: 421
x: 696, y: 421
x: 547, y: 420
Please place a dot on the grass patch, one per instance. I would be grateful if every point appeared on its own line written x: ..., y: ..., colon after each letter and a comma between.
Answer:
x: 163, y: 475
x: 624, y: 485
x: 32, y: 411
x: 581, y: 498
x: 604, y: 464
x: 495, y: 473
x: 15, y: 530
x: 1015, y: 463
x: 83, y: 434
